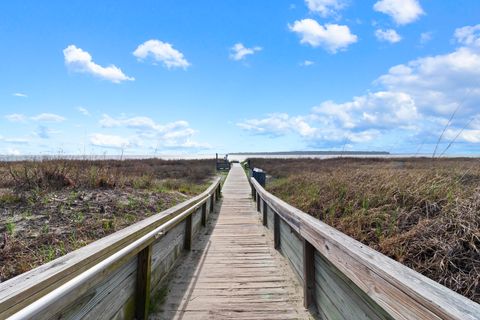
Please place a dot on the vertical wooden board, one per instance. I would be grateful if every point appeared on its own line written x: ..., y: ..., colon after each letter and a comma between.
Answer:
x: 196, y: 222
x: 142, y: 292
x: 107, y: 298
x: 291, y: 248
x: 270, y: 214
x: 127, y: 312
x: 337, y: 297
x: 208, y: 208
x: 165, y: 252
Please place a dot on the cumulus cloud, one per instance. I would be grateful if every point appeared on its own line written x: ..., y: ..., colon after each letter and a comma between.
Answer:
x: 110, y: 141
x: 468, y: 35
x: 325, y: 7
x: 277, y: 124
x: 16, y: 117
x: 402, y: 11
x: 332, y: 37
x: 13, y: 152
x: 81, y: 61
x: 161, y: 52
x: 388, y: 35
x: 48, y: 117
x: 413, y: 103
x: 177, y: 134
x: 240, y: 52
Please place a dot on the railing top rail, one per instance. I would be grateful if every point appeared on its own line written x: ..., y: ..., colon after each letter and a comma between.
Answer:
x: 400, y: 291
x: 30, y: 286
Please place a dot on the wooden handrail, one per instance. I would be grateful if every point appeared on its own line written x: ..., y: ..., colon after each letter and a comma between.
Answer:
x: 400, y: 291
x: 23, y: 290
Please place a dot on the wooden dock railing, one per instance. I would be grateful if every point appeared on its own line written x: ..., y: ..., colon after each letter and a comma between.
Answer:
x: 113, y: 277
x: 345, y: 279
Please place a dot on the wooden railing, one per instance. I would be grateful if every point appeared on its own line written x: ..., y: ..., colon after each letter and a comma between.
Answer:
x: 345, y: 279
x: 113, y: 277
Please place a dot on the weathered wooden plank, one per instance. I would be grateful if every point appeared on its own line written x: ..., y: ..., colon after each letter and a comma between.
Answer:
x: 196, y: 222
x: 398, y: 290
x: 308, y: 274
x: 109, y: 295
x: 26, y: 288
x: 292, y: 248
x: 337, y: 296
x: 233, y: 270
x: 264, y: 214
x: 142, y: 293
x: 165, y: 252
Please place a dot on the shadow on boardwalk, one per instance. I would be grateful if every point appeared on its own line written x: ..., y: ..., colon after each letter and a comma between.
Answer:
x: 233, y: 272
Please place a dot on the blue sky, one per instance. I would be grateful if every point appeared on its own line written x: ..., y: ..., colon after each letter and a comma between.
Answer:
x: 163, y: 77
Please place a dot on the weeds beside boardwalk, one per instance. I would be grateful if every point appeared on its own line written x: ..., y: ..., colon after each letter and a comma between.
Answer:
x: 424, y: 213
x: 50, y: 208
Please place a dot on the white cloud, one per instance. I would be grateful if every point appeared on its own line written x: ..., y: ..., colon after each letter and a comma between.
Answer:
x: 162, y: 52
x: 468, y: 35
x: 16, y: 117
x: 19, y: 94
x: 48, y: 117
x: 177, y: 134
x: 425, y: 37
x: 14, y: 140
x: 109, y: 141
x: 325, y: 7
x: 81, y: 61
x: 13, y: 152
x: 239, y: 51
x: 414, y: 102
x: 332, y: 37
x: 439, y: 83
x: 83, y: 111
x: 388, y: 35
x: 402, y: 11
x: 307, y: 63
x: 277, y: 124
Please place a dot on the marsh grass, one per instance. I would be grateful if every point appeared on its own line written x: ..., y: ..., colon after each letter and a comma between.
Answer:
x: 50, y: 208
x: 424, y: 213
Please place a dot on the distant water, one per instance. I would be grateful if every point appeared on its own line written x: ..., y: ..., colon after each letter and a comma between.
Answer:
x: 238, y: 157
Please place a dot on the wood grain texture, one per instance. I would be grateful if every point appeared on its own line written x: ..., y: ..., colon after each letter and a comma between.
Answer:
x: 28, y: 287
x: 233, y: 272
x: 165, y: 253
x: 142, y: 292
x: 396, y: 289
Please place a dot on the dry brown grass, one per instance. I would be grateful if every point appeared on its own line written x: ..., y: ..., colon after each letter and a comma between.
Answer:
x: 50, y: 208
x: 424, y: 213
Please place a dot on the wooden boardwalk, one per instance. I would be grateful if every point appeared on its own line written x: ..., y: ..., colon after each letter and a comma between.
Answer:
x: 233, y: 272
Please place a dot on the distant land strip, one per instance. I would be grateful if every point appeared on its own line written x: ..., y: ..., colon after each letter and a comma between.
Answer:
x: 281, y: 153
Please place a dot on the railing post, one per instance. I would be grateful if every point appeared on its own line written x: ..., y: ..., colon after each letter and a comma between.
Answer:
x: 142, y: 296
x: 276, y: 230
x: 308, y: 274
x: 259, y: 199
x: 265, y: 213
x: 212, y: 202
x: 204, y: 214
x: 187, y: 245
